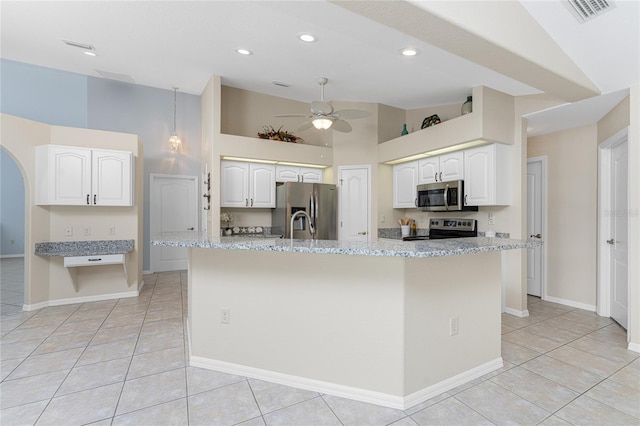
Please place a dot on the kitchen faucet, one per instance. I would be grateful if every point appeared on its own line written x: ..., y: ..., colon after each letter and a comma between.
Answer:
x: 312, y: 229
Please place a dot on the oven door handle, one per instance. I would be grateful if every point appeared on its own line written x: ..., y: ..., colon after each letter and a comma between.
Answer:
x: 446, y: 197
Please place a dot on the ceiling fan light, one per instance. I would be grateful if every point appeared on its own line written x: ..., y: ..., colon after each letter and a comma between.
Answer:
x: 322, y: 123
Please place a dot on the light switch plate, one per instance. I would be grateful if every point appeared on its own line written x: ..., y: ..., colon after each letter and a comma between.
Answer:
x: 68, y: 231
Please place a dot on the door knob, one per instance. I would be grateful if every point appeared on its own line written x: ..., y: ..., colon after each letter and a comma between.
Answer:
x: 362, y: 233
x: 611, y: 241
x: 535, y: 235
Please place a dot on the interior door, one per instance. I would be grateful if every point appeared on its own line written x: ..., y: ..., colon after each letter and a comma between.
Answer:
x: 535, y: 214
x: 354, y: 203
x: 174, y: 207
x: 618, y: 241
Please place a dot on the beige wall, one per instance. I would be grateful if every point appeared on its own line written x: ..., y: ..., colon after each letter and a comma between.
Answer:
x: 47, y: 281
x: 572, y: 183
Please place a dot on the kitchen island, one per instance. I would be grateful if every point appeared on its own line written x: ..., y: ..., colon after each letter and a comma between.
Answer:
x: 391, y: 323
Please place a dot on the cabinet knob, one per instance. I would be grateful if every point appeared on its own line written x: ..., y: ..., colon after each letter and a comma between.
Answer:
x: 362, y: 233
x: 611, y: 241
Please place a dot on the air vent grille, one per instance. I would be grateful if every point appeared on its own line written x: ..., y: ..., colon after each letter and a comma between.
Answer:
x: 584, y: 10
x: 280, y: 83
x: 79, y: 45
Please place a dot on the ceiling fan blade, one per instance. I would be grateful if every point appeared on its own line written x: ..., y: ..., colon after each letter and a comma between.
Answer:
x: 321, y: 107
x: 304, y: 126
x: 341, y: 126
x: 293, y: 115
x: 351, y: 114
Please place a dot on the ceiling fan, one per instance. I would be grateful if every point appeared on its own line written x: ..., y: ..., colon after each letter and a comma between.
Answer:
x: 323, y: 116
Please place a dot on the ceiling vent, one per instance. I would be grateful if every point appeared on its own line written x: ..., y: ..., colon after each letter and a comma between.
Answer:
x: 126, y: 78
x: 78, y: 45
x: 585, y: 10
x: 280, y: 83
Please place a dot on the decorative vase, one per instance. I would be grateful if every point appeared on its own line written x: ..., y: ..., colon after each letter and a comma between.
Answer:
x: 228, y: 231
x: 467, y: 107
x: 404, y: 130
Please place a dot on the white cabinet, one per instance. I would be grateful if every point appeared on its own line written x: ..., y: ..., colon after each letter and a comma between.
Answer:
x: 441, y: 168
x: 405, y: 180
x: 298, y: 174
x: 82, y: 176
x: 247, y: 184
x: 487, y: 175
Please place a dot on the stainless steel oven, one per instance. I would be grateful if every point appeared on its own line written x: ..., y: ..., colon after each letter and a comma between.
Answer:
x: 443, y: 197
x: 448, y: 228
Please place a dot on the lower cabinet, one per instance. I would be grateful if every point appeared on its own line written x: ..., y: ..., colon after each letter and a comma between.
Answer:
x: 247, y: 184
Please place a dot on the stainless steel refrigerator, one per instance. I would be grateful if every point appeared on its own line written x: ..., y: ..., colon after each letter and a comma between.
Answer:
x: 319, y: 200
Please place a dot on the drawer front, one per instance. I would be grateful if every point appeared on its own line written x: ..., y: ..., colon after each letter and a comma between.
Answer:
x: 103, y: 259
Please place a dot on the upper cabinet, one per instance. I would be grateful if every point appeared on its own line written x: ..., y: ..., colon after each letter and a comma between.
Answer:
x: 405, y: 181
x: 442, y: 168
x: 247, y: 184
x: 82, y: 176
x: 487, y: 175
x: 298, y: 174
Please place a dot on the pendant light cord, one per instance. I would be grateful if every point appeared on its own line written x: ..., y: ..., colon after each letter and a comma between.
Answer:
x: 175, y: 91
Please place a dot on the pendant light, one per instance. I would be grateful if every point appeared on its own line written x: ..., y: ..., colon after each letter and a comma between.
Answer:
x: 174, y: 141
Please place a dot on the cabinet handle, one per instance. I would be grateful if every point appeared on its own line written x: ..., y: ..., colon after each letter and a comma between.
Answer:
x: 301, y: 178
x: 246, y: 202
x: 362, y: 233
x: 94, y: 199
x: 435, y: 176
x: 415, y: 202
x: 88, y: 203
x: 252, y: 202
x: 465, y: 199
x: 440, y: 176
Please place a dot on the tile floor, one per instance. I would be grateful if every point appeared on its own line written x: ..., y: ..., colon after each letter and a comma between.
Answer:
x: 123, y: 362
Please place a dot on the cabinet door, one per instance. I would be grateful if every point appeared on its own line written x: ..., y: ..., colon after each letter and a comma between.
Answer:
x: 287, y: 174
x: 428, y: 170
x: 68, y: 180
x: 112, y: 178
x: 405, y: 180
x: 234, y: 184
x: 311, y: 175
x: 479, y: 176
x: 262, y: 185
x: 451, y: 166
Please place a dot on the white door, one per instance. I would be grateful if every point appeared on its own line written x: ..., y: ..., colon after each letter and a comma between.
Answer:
x: 355, y: 196
x: 618, y: 232
x: 535, y: 216
x: 174, y: 207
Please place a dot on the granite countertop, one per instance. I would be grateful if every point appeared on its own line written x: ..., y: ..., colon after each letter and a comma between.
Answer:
x: 84, y: 248
x: 425, y: 248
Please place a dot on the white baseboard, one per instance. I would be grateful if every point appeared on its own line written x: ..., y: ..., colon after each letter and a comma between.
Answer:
x: 10, y: 256
x: 85, y: 299
x: 634, y: 347
x: 147, y: 272
x: 571, y: 303
x: 521, y: 314
x: 358, y: 394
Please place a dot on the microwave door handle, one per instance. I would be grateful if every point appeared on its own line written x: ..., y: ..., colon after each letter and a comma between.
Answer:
x: 446, y: 197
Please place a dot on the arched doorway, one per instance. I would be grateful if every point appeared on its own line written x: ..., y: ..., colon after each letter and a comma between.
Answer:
x: 12, y: 235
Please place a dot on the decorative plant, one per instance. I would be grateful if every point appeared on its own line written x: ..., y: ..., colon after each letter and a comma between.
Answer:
x: 226, y: 217
x: 268, y: 132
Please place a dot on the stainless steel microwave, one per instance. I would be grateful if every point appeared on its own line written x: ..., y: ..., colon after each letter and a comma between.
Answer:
x: 443, y: 197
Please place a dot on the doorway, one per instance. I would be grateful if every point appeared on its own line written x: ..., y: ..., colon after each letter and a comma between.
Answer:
x: 173, y: 203
x: 355, y: 195
x: 536, y: 224
x: 613, y: 279
x: 12, y: 235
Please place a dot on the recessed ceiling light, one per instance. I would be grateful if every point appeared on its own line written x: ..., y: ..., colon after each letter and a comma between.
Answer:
x: 86, y: 52
x: 244, y: 52
x: 409, y: 51
x: 307, y: 38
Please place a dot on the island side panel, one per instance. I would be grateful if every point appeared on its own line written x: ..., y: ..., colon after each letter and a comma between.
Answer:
x: 466, y: 287
x: 333, y: 318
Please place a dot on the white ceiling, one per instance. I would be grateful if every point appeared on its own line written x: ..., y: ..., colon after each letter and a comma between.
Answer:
x: 183, y: 43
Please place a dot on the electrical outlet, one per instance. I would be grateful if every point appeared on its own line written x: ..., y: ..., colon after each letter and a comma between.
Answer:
x: 454, y: 326
x: 225, y: 315
x: 68, y: 231
x: 491, y: 219
x: 111, y: 230
x: 86, y: 231
x: 382, y: 218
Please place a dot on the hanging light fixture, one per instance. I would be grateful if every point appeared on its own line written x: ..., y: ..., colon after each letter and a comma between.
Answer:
x: 322, y: 123
x: 174, y: 141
